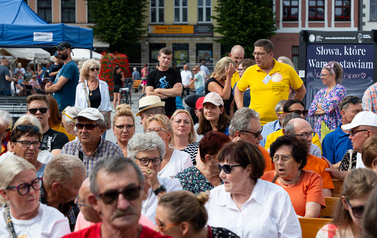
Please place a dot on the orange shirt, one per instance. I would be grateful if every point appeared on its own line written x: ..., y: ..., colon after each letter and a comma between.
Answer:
x: 318, y: 165
x: 267, y: 158
x: 307, y: 189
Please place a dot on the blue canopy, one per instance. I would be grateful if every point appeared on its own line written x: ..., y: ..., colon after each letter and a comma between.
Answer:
x: 20, y: 26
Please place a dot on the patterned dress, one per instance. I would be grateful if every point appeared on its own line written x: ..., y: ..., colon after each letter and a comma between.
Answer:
x: 330, y: 104
x: 192, y: 150
x: 194, y: 181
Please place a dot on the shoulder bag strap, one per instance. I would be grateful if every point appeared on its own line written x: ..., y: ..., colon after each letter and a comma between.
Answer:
x: 8, y: 220
x: 86, y: 93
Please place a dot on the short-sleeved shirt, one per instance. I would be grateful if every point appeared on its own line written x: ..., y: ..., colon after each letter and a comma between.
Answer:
x: 4, y: 84
x: 235, y: 79
x: 53, y: 140
x: 274, y: 87
x: 335, y: 145
x: 227, y: 103
x: 308, y: 188
x: 319, y: 165
x: 199, y: 82
x: 136, y: 75
x: 54, y: 68
x: 267, y: 158
x: 370, y: 99
x: 165, y: 79
x: 66, y: 95
x: 186, y: 75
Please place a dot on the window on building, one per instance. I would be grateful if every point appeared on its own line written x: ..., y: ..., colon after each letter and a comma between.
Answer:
x: 154, y: 49
x: 295, y: 56
x: 290, y: 10
x: 180, y: 11
x: 316, y: 10
x: 45, y: 10
x: 157, y: 11
x: 68, y: 11
x: 180, y: 55
x: 204, y: 53
x: 373, y: 10
x: 204, y: 11
x: 89, y: 6
x: 342, y: 10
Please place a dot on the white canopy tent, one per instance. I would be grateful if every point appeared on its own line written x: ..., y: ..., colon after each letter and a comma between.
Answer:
x: 84, y: 54
x: 25, y: 53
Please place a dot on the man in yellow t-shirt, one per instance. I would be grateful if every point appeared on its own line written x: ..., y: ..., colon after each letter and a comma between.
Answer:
x: 237, y: 54
x: 269, y: 82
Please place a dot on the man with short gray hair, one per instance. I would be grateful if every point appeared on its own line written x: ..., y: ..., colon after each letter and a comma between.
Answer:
x: 91, y: 147
x: 273, y: 126
x: 62, y: 180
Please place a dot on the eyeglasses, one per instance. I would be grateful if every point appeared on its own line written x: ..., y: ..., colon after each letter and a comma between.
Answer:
x: 111, y: 197
x: 145, y: 161
x: 25, y: 128
x: 161, y: 227
x: 42, y: 110
x: 90, y: 127
x: 24, y: 188
x: 121, y: 127
x: 92, y: 69
x: 27, y: 143
x: 283, y: 158
x: 256, y: 134
x: 354, y: 132
x: 305, y: 135
x: 353, y: 100
x: 80, y: 204
x: 356, y: 211
x: 303, y: 112
x: 227, y: 167
x: 240, y: 69
x: 155, y: 129
x: 259, y: 53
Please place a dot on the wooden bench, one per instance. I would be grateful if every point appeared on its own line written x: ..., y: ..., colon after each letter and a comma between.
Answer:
x: 338, y: 188
x: 311, y: 226
x: 137, y: 82
x: 330, y: 207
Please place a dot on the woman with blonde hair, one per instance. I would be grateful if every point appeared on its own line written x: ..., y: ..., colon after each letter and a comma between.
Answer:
x: 181, y: 214
x: 174, y: 161
x: 347, y: 221
x: 184, y: 136
x: 123, y: 126
x: 220, y: 82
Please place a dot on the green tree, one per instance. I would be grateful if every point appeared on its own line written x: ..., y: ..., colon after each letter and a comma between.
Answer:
x: 243, y: 22
x: 119, y: 22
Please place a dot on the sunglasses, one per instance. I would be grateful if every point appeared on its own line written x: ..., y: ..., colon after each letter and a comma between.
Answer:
x: 92, y: 69
x: 111, y: 197
x: 145, y: 161
x: 8, y: 129
x: 227, y: 167
x: 162, y: 227
x: 256, y: 134
x: 24, y: 188
x: 25, y: 128
x: 90, y: 127
x: 42, y: 110
x: 353, y: 100
x: 356, y: 211
x: 299, y: 112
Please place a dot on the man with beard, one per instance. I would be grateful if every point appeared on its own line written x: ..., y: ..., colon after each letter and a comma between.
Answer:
x: 63, y: 89
x: 117, y: 187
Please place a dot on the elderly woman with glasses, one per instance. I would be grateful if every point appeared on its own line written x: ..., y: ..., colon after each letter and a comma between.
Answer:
x: 348, y: 216
x: 123, y: 126
x: 245, y: 204
x: 23, y: 215
x: 174, y: 160
x: 147, y: 150
x: 324, y: 107
x: 25, y: 140
x: 93, y: 92
x: 304, y: 187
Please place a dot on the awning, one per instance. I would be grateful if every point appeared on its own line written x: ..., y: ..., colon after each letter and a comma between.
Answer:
x: 25, y: 53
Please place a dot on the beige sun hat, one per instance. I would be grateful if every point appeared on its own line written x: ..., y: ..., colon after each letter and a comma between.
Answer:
x: 148, y: 102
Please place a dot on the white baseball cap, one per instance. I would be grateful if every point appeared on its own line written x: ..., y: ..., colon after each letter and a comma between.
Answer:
x: 364, y: 118
x: 90, y: 113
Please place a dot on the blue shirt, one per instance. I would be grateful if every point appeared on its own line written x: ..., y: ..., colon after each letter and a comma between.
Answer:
x: 136, y: 75
x: 335, y: 145
x: 66, y: 95
x: 268, y: 128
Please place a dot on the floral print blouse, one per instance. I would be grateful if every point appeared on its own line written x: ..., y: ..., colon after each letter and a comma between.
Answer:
x: 330, y: 104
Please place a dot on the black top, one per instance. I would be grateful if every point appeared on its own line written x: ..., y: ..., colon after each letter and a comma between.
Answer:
x: 117, y: 80
x: 53, y: 140
x: 54, y: 68
x: 219, y: 232
x: 95, y: 98
x: 165, y: 79
x: 228, y: 102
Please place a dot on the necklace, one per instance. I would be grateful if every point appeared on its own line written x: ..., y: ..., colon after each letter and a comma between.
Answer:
x: 95, y: 87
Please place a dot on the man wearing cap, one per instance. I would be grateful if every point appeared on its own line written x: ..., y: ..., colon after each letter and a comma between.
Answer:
x: 165, y: 82
x: 149, y: 106
x: 91, y: 147
x: 20, y: 70
x: 5, y: 79
x: 135, y: 74
x: 54, y: 68
x: 63, y: 89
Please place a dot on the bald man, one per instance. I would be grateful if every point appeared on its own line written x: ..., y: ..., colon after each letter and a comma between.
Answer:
x: 237, y: 54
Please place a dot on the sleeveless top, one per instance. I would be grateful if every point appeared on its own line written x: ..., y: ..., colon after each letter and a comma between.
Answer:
x: 228, y: 102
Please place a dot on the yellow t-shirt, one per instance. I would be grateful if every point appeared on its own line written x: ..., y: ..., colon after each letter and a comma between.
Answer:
x: 235, y: 79
x: 267, y: 91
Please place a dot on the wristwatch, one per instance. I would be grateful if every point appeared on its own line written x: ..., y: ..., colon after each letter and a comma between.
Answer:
x: 161, y: 189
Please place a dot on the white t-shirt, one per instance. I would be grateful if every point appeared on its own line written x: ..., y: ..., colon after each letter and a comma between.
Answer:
x: 267, y: 213
x: 186, y: 75
x: 149, y: 205
x: 179, y: 161
x: 359, y: 161
x: 48, y: 223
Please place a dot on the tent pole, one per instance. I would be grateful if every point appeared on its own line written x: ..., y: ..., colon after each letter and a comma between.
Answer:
x: 91, y: 54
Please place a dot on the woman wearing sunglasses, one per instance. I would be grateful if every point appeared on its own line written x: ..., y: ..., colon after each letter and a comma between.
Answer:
x: 93, y: 92
x: 325, y: 106
x: 304, y: 187
x: 174, y: 160
x: 245, y: 204
x: 23, y: 215
x: 123, y: 126
x: 147, y: 150
x: 181, y: 214
x: 348, y: 215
